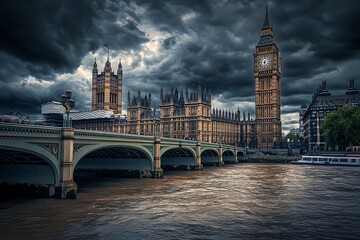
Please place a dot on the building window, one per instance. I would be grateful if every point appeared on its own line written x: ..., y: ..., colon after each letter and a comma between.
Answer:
x: 166, y: 127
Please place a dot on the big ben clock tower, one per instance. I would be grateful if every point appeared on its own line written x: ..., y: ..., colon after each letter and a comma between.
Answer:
x: 267, y: 73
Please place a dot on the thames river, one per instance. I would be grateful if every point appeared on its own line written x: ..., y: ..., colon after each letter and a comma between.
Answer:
x: 243, y: 201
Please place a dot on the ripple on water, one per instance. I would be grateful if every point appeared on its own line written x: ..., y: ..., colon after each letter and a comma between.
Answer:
x: 244, y: 201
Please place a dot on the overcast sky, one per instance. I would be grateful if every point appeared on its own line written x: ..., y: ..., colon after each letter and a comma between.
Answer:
x: 48, y: 46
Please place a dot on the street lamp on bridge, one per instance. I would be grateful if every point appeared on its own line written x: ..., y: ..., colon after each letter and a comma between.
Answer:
x: 68, y: 103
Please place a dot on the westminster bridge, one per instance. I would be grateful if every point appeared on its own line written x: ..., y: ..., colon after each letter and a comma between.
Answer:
x: 49, y: 157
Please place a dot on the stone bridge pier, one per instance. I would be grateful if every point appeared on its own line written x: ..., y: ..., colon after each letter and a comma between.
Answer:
x: 66, y: 188
x: 158, y: 171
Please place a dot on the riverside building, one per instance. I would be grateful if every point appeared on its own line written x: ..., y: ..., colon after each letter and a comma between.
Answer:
x: 323, y: 102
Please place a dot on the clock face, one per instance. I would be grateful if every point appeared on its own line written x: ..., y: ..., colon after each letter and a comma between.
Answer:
x: 265, y: 61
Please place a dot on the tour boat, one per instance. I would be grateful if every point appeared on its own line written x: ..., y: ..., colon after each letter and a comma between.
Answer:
x: 329, y: 160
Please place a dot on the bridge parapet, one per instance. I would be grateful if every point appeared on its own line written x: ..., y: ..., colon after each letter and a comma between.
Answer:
x: 29, y: 131
x: 86, y: 134
x: 177, y: 140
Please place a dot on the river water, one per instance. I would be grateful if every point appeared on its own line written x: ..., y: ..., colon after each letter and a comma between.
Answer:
x: 243, y: 201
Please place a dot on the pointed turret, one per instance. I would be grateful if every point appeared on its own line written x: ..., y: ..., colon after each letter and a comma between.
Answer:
x: 199, y: 92
x: 129, y: 103
x: 352, y: 89
x: 209, y: 94
x: 205, y: 94
x: 181, y: 99
x: 266, y: 21
x: 139, y: 98
x: 107, y: 66
x: 266, y: 34
x: 172, y: 95
x: 176, y: 96
x: 161, y: 95
x: 95, y: 65
x: 120, y: 71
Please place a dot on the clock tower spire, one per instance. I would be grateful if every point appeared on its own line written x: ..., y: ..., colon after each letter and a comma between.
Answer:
x: 267, y: 74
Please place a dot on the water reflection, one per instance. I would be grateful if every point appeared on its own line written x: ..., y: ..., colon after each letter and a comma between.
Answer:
x: 247, y: 201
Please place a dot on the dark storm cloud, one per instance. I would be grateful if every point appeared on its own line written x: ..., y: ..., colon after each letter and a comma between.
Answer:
x: 57, y: 34
x: 314, y: 37
x: 211, y: 42
x: 46, y: 38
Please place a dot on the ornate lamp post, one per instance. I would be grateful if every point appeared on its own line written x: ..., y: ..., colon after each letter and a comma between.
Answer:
x: 289, y: 147
x: 68, y: 103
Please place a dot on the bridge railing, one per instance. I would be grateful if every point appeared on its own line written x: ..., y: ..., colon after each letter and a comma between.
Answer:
x: 29, y: 131
x: 177, y: 140
x: 88, y: 134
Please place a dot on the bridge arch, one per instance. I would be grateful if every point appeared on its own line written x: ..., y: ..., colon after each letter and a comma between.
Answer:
x: 111, y: 159
x: 228, y: 156
x: 241, y: 155
x: 27, y: 164
x: 210, y: 157
x: 178, y: 156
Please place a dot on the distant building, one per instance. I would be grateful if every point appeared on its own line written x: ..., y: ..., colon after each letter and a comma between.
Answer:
x: 107, y: 88
x: 14, y: 117
x: 301, y: 123
x: 323, y: 103
x: 295, y: 131
x: 98, y: 120
x: 140, y: 115
x: 53, y: 113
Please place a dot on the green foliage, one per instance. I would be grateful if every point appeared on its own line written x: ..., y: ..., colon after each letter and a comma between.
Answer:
x: 292, y: 137
x: 342, y: 127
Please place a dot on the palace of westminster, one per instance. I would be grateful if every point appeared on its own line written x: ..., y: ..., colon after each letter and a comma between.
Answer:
x: 185, y: 115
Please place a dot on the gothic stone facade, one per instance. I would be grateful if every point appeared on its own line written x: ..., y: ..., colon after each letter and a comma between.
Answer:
x: 107, y: 88
x: 267, y: 72
x: 189, y: 116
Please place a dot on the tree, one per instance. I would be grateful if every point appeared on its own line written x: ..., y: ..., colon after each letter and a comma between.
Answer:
x: 293, y: 137
x: 342, y: 127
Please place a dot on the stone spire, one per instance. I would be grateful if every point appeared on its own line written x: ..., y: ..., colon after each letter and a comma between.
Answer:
x: 120, y: 71
x: 129, y: 103
x: 95, y: 70
x: 199, y: 92
x: 161, y: 95
x: 266, y: 21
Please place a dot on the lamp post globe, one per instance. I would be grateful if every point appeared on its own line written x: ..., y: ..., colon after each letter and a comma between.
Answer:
x: 63, y: 98
x: 68, y: 93
x: 68, y: 103
x: 72, y: 103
